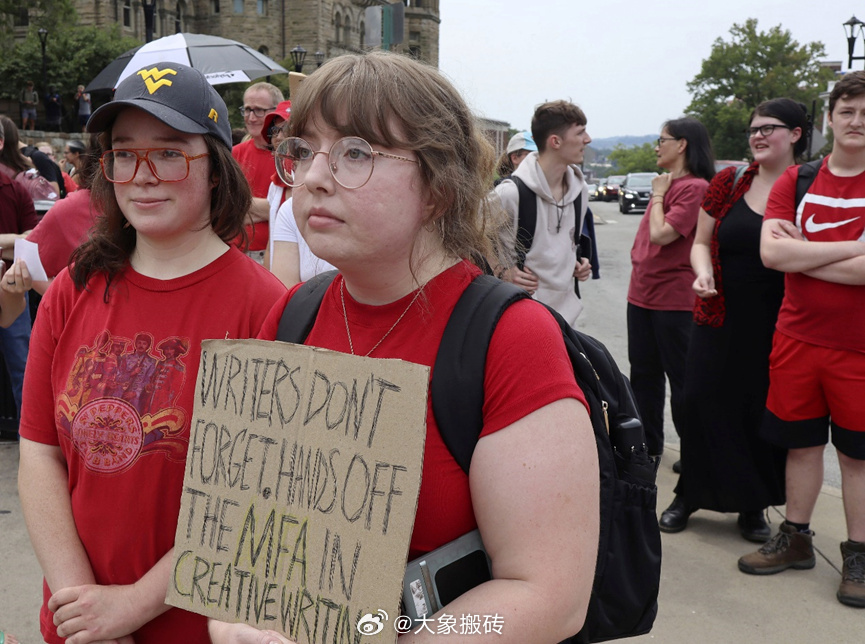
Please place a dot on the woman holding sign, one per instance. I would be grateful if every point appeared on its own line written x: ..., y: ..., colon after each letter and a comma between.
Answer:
x: 390, y: 174
x: 104, y: 435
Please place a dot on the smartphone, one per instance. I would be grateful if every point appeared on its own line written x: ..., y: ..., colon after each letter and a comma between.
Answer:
x: 433, y: 581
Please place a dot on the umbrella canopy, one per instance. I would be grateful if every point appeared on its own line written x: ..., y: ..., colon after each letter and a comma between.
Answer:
x: 219, y: 59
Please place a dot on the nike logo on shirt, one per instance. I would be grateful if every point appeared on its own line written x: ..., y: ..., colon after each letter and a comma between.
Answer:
x: 812, y: 226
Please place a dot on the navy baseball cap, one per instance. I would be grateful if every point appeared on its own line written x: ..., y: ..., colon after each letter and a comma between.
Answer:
x: 176, y: 94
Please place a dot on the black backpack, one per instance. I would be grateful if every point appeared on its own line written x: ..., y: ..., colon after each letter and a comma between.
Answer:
x: 627, y: 575
x: 805, y: 176
x: 527, y: 221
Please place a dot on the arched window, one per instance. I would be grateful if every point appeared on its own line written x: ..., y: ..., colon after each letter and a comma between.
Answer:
x: 346, y: 29
x: 337, y: 22
x: 178, y: 18
x: 362, y: 33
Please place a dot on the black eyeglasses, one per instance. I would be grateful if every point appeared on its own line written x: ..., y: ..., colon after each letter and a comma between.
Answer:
x: 273, y: 130
x: 765, y: 130
x: 258, y: 111
x: 661, y: 139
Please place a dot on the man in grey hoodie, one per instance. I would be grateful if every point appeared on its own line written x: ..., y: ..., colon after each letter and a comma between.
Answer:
x: 551, y: 265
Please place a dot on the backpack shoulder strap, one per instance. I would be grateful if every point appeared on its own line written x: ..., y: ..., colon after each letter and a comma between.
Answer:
x: 805, y: 177
x: 457, y: 387
x: 737, y: 177
x: 302, y: 309
x: 527, y: 219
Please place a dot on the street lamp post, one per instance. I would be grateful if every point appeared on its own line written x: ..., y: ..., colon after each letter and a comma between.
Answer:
x: 149, y: 7
x: 853, y: 27
x: 298, y: 55
x: 43, y: 39
x: 319, y: 57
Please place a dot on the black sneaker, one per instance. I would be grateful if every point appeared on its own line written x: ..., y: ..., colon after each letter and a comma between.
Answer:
x: 753, y: 526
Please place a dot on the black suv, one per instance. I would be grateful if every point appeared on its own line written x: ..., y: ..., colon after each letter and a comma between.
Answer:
x: 635, y: 190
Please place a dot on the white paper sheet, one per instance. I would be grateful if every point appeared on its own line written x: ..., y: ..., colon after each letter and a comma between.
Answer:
x: 29, y: 252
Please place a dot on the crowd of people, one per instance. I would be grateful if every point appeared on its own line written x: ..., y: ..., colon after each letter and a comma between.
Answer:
x: 741, y: 287
x: 55, y: 108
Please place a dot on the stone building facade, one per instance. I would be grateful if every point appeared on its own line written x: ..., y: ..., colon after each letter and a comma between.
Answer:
x: 273, y: 27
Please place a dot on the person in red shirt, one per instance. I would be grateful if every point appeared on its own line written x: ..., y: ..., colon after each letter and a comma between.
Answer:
x: 256, y: 159
x: 109, y: 388
x: 660, y: 298
x: 389, y: 193
x: 64, y: 227
x: 817, y: 364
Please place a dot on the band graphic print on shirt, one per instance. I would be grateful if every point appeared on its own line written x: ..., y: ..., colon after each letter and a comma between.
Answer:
x: 119, y: 400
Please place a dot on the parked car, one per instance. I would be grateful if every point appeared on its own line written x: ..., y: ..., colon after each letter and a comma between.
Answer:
x: 635, y: 190
x: 611, y: 189
x: 720, y: 165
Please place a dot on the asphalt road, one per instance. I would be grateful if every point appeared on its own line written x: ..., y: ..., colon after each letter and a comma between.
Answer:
x: 604, y: 300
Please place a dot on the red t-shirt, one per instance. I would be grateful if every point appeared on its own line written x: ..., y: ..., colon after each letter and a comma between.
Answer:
x: 257, y: 165
x: 822, y: 313
x: 661, y: 277
x: 63, y: 228
x: 113, y: 384
x: 527, y: 368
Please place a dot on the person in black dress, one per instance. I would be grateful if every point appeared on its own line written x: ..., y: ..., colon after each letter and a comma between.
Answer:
x: 725, y: 466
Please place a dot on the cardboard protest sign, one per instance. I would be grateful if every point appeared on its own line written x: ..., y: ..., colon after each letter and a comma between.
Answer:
x: 301, y: 486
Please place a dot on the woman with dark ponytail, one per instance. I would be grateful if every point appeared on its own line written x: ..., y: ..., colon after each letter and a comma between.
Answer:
x: 659, y: 295
x: 725, y: 466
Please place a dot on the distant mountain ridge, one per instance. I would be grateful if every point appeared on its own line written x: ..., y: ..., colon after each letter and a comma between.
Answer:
x: 610, y: 142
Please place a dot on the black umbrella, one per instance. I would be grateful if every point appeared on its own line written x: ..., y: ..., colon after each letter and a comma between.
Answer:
x: 219, y: 59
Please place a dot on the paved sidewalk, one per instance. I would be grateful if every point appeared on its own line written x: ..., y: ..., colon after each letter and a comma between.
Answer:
x: 704, y: 597
x: 706, y: 600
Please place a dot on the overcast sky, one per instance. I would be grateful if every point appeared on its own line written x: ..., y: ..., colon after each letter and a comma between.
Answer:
x: 625, y: 62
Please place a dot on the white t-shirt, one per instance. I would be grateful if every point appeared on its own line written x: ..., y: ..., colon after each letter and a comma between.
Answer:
x: 284, y: 228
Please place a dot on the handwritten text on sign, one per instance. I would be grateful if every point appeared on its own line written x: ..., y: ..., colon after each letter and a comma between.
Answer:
x: 301, y: 486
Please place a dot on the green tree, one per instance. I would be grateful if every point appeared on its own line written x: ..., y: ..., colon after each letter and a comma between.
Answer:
x: 75, y: 55
x: 47, y: 14
x: 637, y: 158
x: 752, y: 67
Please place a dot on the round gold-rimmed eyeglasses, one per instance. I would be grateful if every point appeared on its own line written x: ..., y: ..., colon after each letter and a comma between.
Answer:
x: 350, y: 160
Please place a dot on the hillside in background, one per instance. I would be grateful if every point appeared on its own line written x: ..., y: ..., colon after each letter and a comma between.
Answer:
x: 610, y: 142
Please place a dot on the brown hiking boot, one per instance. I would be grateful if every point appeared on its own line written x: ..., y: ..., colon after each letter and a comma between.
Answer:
x: 851, y: 592
x: 787, y: 549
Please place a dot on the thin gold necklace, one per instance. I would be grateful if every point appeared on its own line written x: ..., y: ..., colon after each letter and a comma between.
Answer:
x: 393, y: 326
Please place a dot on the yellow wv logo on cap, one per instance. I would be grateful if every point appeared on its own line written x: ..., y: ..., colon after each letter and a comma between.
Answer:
x: 213, y: 116
x: 153, y: 78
